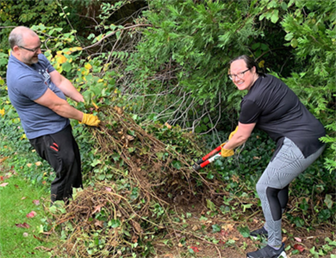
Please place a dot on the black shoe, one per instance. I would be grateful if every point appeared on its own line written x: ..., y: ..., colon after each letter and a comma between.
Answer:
x: 268, y: 252
x: 261, y: 232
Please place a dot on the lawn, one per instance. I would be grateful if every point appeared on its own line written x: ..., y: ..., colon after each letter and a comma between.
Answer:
x: 22, y: 214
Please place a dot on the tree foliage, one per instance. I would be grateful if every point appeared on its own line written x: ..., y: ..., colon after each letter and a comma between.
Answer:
x: 179, y: 70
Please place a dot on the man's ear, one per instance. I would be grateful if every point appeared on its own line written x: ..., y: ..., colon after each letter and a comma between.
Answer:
x: 15, y: 48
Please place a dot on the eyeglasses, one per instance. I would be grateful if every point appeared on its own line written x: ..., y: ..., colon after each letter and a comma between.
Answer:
x: 34, y: 50
x: 239, y: 75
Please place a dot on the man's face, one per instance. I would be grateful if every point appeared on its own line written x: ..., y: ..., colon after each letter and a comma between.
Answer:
x: 241, y: 76
x: 28, y: 52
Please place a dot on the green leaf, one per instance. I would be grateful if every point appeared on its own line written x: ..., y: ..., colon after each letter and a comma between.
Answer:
x: 289, y: 36
x: 247, y: 206
x: 275, y: 16
x: 216, y: 228
x: 244, y: 231
x: 255, y: 46
x: 328, y: 201
x: 211, y: 205
x: 176, y: 164
x: 95, y: 162
x: 294, y: 43
x: 101, y: 177
x: 114, y: 223
x: 67, y: 66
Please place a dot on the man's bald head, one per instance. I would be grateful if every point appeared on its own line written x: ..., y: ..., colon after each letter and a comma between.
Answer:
x: 17, y: 35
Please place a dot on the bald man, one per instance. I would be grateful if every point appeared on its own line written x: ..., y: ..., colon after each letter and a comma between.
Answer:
x: 38, y: 93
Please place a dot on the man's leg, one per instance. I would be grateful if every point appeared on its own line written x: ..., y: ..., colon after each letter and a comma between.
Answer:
x: 62, y: 153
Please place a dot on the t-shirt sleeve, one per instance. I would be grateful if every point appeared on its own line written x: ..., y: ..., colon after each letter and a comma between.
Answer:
x: 249, y: 112
x: 34, y: 88
x: 46, y: 63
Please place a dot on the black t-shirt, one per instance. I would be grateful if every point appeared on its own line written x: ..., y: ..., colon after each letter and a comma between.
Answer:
x: 278, y: 111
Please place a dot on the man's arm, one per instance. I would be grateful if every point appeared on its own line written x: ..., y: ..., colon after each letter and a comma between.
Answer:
x: 60, y: 106
x: 66, y: 86
x: 240, y: 137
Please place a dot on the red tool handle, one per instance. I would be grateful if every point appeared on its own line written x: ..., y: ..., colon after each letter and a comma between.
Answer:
x: 207, y: 159
x: 207, y: 162
x: 211, y: 153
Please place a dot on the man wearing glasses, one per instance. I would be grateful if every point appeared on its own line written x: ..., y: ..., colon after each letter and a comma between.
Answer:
x: 272, y: 107
x: 38, y: 93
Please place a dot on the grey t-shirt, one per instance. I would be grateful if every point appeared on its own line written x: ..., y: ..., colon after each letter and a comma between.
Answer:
x: 278, y: 111
x: 27, y: 83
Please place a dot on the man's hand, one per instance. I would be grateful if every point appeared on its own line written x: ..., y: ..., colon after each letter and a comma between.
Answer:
x: 226, y: 153
x: 90, y: 120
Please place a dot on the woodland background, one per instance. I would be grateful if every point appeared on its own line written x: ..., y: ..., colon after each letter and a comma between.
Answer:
x: 157, y: 70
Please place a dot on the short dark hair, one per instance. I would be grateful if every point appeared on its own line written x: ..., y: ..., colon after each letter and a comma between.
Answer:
x: 250, y: 63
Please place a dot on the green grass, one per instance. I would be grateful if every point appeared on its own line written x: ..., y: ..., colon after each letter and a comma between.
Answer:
x: 16, y: 201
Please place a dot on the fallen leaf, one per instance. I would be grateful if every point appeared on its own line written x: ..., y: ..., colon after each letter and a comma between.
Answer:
x: 108, y: 189
x: 299, y: 247
x: 168, y: 125
x: 3, y: 184
x: 194, y: 228
x: 24, y: 197
x: 31, y: 214
x: 194, y: 248
x: 224, y: 233
x: 97, y: 208
x: 118, y: 110
x: 25, y: 234
x: 129, y: 137
x: 8, y: 175
x: 134, y: 239
x: 3, y: 159
x: 38, y: 163
x: 29, y: 165
x: 228, y: 227
x: 24, y: 225
x: 99, y: 223
x: 36, y: 202
x: 16, y: 186
x: 298, y: 239
x: 1, y: 178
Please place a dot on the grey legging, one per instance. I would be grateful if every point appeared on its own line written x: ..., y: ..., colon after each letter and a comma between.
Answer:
x: 272, y: 186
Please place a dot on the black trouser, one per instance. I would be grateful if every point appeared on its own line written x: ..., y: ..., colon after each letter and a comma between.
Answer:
x: 62, y: 153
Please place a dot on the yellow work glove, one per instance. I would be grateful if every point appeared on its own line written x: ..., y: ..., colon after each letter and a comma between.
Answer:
x: 90, y: 120
x: 226, y: 153
x: 233, y: 133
